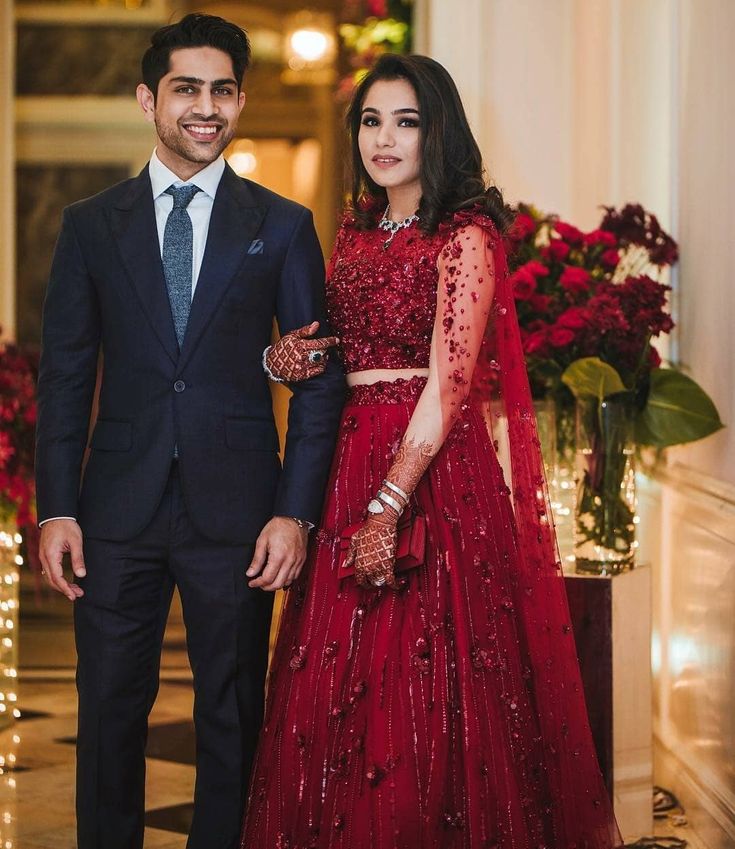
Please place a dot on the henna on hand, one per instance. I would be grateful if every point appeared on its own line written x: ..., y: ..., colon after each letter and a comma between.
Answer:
x: 410, y: 463
x: 373, y: 547
x: 373, y: 551
x: 296, y: 357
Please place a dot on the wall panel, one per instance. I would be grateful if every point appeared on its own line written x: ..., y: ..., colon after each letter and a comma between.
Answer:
x: 585, y: 102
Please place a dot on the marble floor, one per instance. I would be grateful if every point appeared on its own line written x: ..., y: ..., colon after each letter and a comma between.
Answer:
x: 37, y: 752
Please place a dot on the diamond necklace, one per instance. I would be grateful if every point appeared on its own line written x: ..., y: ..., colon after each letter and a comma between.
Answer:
x: 393, y: 227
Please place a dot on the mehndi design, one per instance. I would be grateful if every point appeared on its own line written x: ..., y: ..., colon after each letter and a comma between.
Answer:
x: 297, y: 357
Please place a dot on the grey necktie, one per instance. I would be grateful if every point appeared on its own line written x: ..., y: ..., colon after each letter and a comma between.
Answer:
x: 178, y: 247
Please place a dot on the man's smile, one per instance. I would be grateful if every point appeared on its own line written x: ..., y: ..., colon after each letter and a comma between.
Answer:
x: 202, y: 131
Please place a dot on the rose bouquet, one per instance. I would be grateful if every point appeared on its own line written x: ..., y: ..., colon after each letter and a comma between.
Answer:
x: 589, y: 306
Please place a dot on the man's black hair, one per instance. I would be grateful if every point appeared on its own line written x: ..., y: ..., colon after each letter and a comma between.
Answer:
x: 195, y: 30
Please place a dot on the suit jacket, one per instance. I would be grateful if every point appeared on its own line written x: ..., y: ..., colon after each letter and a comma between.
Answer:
x: 211, y: 399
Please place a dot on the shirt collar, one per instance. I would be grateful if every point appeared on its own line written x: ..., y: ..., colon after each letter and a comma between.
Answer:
x: 207, y: 179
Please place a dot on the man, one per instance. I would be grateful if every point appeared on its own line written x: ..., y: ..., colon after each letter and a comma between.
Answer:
x: 175, y: 276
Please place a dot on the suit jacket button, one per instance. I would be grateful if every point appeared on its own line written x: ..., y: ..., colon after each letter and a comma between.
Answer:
x: 179, y: 386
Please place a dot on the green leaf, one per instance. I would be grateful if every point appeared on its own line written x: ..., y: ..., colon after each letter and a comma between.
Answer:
x: 678, y: 410
x: 593, y: 378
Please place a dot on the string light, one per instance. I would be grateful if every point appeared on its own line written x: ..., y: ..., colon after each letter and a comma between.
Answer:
x: 10, y: 561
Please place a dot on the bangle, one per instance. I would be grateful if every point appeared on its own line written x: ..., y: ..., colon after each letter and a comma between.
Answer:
x: 396, y: 489
x: 390, y: 501
x: 267, y: 370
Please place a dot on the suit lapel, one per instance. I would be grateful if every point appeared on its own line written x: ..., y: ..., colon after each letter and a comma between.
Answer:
x: 134, y: 228
x: 234, y: 224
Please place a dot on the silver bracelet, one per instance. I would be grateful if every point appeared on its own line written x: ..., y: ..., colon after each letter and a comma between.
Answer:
x: 396, y: 489
x: 267, y: 370
x: 390, y: 501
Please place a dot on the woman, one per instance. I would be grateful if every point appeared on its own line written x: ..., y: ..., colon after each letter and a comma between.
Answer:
x: 437, y: 705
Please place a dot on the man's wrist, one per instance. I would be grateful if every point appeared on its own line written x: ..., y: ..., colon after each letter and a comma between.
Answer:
x: 304, y: 524
x: 56, y: 519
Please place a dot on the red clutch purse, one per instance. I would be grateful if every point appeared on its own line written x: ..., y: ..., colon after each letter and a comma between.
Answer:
x: 410, y: 544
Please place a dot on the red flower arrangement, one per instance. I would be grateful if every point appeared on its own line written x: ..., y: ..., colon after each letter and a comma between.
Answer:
x: 588, y: 306
x: 18, y: 373
x: 590, y: 294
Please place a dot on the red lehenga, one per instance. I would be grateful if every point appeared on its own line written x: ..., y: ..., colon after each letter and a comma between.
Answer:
x: 448, y: 714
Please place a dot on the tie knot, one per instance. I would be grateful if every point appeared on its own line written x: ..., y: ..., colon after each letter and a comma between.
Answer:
x: 182, y: 195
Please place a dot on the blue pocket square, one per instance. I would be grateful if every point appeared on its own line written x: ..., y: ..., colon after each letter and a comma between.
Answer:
x: 256, y: 246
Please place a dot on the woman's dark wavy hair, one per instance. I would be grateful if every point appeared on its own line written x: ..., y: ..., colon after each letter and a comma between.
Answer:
x: 195, y: 30
x: 452, y: 174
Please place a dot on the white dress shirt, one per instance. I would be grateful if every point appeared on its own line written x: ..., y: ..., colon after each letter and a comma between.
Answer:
x: 200, y: 211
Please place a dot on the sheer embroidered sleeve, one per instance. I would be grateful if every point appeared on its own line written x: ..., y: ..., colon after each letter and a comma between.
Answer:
x: 466, y: 282
x: 466, y: 287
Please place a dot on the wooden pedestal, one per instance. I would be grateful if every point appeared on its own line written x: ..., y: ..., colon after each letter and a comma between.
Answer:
x: 611, y: 617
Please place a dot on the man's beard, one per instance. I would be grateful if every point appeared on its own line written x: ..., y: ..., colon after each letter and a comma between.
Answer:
x: 189, y: 149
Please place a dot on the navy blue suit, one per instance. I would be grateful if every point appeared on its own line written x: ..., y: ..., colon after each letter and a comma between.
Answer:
x: 149, y: 523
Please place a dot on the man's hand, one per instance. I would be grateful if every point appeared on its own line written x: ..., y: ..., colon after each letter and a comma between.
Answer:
x: 58, y: 537
x: 280, y: 552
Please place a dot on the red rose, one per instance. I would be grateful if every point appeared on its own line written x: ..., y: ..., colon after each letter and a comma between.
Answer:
x: 377, y: 8
x: 575, y: 279
x: 536, y: 342
x: 538, y: 269
x: 17, y: 488
x: 610, y: 258
x: 540, y: 303
x: 605, y: 312
x: 524, y: 284
x: 558, y: 249
x: 600, y: 237
x: 561, y: 336
x: 523, y: 226
x: 569, y: 232
x: 665, y: 325
x: 654, y: 358
x: 575, y: 318
x: 6, y: 449
x: 30, y: 414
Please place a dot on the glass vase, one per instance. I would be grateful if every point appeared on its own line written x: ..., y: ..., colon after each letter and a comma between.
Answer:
x: 605, y: 510
x: 558, y: 455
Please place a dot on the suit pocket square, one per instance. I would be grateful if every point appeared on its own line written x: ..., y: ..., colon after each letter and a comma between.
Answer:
x: 256, y: 247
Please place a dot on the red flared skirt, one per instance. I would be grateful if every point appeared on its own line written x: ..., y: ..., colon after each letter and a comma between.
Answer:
x: 406, y: 720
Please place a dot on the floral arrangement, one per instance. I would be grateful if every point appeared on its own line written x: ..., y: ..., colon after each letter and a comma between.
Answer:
x: 372, y: 27
x: 589, y: 306
x: 17, y: 434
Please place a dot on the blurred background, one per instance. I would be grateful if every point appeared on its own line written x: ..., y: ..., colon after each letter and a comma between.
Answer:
x: 575, y: 104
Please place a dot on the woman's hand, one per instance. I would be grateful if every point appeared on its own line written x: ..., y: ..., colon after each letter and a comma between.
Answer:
x: 373, y: 551
x: 296, y: 357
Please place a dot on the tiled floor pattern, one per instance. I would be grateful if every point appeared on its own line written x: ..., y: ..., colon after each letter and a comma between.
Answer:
x: 37, y: 801
x: 37, y: 753
x: 37, y: 784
